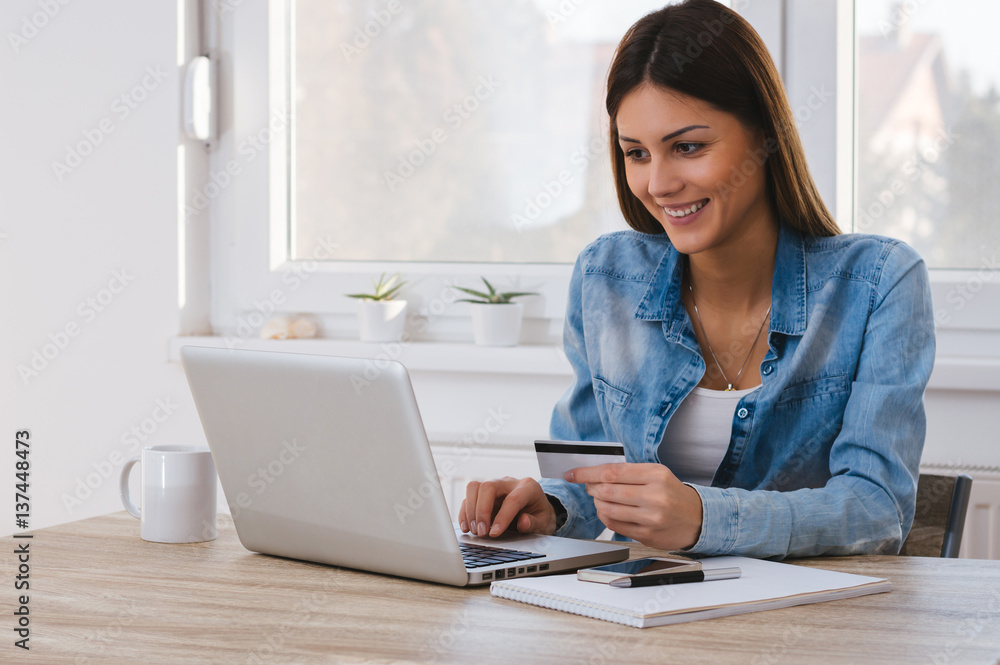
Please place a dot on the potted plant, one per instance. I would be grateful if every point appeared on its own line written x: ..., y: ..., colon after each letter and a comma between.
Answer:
x: 381, y: 318
x: 496, y: 321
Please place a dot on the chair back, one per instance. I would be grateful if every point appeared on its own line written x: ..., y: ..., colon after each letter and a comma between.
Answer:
x: 942, y: 502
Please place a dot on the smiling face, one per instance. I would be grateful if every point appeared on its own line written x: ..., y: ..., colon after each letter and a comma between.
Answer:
x: 683, y: 161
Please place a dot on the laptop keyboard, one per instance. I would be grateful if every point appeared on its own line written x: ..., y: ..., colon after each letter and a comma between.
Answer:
x: 477, y: 556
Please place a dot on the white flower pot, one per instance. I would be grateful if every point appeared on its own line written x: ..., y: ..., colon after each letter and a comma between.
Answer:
x: 497, y: 325
x: 381, y: 320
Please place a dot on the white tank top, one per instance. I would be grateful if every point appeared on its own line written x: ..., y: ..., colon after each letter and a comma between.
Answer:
x: 697, y: 436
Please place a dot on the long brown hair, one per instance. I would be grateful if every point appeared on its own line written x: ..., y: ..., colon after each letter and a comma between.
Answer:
x: 705, y: 50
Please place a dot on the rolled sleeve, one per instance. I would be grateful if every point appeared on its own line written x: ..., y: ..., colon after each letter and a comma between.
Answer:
x: 720, y: 519
x: 581, y: 515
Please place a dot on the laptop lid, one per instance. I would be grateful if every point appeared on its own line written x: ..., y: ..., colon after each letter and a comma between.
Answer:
x: 326, y: 459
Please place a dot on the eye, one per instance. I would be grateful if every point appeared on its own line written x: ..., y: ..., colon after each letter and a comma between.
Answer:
x: 688, y: 148
x: 635, y: 154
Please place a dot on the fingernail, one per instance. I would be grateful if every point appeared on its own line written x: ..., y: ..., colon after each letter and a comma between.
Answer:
x: 472, y: 526
x: 568, y: 476
x: 482, y: 529
x: 465, y: 526
x: 495, y: 531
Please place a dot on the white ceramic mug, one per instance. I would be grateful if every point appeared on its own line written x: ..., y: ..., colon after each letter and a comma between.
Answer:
x: 178, y: 494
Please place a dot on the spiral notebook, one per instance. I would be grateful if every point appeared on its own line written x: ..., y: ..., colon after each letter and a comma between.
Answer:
x: 764, y: 585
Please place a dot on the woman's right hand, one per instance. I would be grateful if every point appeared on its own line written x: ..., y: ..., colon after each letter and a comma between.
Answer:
x: 493, y: 506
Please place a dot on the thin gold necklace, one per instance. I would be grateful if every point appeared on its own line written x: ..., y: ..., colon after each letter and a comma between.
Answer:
x: 729, y: 383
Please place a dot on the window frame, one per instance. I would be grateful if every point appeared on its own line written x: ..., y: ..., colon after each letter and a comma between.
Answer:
x: 250, y: 265
x: 966, y: 302
x: 249, y: 216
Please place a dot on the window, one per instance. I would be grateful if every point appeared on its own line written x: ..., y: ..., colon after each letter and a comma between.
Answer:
x: 356, y: 182
x: 828, y: 67
x: 928, y: 128
x: 453, y: 130
x: 445, y: 140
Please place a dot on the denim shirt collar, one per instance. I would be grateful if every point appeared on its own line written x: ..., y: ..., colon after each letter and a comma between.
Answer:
x: 788, y: 289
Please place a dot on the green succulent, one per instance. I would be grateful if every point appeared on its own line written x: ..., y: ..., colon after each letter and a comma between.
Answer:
x: 385, y: 289
x: 492, y: 297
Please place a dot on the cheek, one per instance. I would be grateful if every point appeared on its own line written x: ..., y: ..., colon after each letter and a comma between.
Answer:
x: 735, y: 173
x: 712, y: 173
x: 708, y: 173
x: 638, y: 182
x: 743, y: 189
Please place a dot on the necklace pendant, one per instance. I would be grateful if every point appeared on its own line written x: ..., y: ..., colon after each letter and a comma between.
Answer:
x: 729, y: 389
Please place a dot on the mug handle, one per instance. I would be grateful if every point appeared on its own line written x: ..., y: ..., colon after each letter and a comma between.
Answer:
x: 123, y: 488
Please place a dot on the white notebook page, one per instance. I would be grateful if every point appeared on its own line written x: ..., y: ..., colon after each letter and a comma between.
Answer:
x: 763, y: 585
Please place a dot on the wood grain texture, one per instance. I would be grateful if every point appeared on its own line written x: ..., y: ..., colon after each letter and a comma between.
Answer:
x: 100, y: 594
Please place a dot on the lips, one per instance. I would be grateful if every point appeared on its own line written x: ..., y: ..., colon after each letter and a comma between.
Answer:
x: 687, y: 209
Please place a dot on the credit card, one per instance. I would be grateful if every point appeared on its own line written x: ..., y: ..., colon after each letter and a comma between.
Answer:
x: 557, y: 457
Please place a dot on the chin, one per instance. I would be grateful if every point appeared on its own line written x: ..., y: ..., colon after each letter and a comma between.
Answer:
x: 687, y: 241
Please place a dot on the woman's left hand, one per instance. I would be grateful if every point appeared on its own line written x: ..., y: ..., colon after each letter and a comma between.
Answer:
x: 644, y: 502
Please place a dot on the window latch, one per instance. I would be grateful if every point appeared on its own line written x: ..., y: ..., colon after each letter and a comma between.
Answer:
x: 200, y: 108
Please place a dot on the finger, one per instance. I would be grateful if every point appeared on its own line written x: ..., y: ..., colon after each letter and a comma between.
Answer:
x: 484, y: 507
x: 621, y: 513
x: 513, y: 504
x: 534, y: 523
x: 630, y: 473
x: 463, y: 522
x: 469, y: 505
x: 526, y: 523
x: 600, y: 473
x: 628, y: 529
x: 618, y: 493
x: 619, y: 520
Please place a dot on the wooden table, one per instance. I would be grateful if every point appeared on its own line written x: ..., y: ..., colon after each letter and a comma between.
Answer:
x: 100, y: 594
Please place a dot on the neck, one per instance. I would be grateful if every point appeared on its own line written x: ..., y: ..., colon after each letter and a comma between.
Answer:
x: 736, y: 276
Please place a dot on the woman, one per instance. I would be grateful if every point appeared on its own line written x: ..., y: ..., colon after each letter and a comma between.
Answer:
x: 801, y: 440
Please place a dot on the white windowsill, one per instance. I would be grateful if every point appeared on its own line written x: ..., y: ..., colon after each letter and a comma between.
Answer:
x: 536, y: 359
x: 950, y: 373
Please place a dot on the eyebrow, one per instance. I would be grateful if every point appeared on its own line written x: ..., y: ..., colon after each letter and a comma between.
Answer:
x: 668, y: 136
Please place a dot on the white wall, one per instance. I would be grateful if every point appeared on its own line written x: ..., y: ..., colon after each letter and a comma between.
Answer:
x: 65, y: 239
x: 61, y: 241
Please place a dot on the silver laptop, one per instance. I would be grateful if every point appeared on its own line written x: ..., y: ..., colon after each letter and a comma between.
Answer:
x: 321, y: 460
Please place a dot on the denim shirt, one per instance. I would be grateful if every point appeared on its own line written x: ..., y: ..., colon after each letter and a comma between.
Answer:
x: 824, y: 457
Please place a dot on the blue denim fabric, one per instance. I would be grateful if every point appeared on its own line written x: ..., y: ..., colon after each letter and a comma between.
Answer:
x: 824, y: 457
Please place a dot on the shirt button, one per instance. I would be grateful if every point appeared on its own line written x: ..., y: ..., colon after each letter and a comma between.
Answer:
x: 768, y: 369
x: 743, y: 413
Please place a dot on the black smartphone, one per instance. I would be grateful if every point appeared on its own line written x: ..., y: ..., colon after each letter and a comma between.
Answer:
x: 637, y: 568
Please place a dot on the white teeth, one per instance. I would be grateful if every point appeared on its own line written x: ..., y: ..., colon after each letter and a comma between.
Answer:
x: 686, y: 211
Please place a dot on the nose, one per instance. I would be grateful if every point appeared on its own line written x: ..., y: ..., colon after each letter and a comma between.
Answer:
x: 664, y: 179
